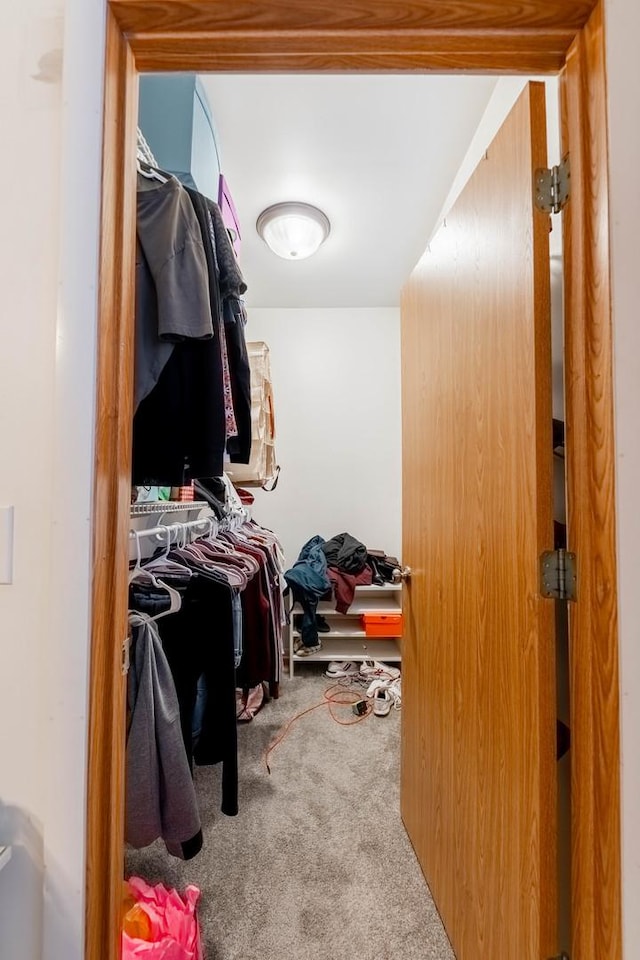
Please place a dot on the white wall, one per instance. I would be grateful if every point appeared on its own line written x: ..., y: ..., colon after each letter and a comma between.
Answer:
x: 623, y: 67
x: 29, y: 81
x: 336, y: 376
x: 50, y: 170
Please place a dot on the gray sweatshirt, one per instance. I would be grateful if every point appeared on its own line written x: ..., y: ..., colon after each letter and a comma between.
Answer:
x: 160, y: 795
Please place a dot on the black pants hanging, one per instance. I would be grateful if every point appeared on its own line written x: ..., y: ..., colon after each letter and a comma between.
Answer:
x: 199, y: 640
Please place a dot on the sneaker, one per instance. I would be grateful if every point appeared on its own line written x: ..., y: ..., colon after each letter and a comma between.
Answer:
x: 373, y: 669
x: 375, y: 685
x: 395, y: 692
x: 343, y: 668
x: 382, y: 702
x: 308, y: 651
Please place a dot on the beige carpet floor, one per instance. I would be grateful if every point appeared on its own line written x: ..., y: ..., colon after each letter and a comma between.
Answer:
x: 317, y: 865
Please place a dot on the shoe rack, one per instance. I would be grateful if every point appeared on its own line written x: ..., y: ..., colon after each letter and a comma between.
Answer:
x: 347, y: 639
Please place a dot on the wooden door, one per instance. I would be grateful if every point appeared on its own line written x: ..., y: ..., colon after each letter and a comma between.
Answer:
x: 478, y: 740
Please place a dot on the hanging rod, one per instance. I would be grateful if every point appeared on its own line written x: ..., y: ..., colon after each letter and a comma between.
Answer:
x: 161, y: 531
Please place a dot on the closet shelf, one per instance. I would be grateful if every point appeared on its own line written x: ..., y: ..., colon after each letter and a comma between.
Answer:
x: 346, y: 640
x: 154, y: 507
x: 379, y: 588
x: 351, y: 649
x: 358, y: 607
x: 348, y: 632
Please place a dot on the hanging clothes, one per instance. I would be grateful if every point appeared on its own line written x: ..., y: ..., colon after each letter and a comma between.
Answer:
x: 199, y: 641
x: 172, y: 297
x: 151, y: 352
x: 234, y: 317
x: 192, y: 385
x: 263, y: 611
x: 160, y: 796
x: 235, y: 321
x: 227, y: 633
x: 179, y: 429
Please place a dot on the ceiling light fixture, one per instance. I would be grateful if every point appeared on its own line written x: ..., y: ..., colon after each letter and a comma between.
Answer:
x: 293, y: 231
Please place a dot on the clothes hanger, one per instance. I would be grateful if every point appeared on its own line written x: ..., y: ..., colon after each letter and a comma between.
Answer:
x: 194, y: 550
x: 213, y: 528
x: 211, y: 543
x: 151, y: 173
x: 162, y: 562
x: 141, y: 574
x: 209, y: 554
x: 187, y: 549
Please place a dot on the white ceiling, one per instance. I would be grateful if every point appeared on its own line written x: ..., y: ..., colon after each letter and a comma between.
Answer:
x: 377, y: 153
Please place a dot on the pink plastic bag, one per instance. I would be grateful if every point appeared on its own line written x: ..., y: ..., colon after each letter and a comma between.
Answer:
x: 175, y: 934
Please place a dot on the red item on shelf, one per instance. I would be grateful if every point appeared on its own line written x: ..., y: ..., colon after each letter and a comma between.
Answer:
x: 183, y: 494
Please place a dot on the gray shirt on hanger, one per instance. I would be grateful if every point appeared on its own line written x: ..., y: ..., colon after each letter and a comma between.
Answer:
x: 172, y: 280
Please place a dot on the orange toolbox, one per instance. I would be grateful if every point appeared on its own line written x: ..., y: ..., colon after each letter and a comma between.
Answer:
x: 382, y: 624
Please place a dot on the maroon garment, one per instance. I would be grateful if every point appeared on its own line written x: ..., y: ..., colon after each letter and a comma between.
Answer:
x: 270, y: 583
x: 257, y: 657
x: 344, y: 586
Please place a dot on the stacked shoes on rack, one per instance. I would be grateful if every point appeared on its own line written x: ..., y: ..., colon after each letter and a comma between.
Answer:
x: 384, y: 682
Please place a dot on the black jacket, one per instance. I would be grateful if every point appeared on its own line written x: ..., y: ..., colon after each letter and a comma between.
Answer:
x: 346, y: 553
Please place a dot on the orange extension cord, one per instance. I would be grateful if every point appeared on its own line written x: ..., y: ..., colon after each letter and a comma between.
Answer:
x: 336, y: 694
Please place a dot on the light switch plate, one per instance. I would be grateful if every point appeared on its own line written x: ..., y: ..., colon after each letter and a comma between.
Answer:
x: 6, y: 544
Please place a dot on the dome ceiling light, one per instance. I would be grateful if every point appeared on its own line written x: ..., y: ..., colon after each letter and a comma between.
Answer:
x: 293, y: 231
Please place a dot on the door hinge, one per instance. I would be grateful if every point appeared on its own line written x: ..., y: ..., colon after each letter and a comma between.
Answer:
x: 551, y: 187
x: 558, y: 578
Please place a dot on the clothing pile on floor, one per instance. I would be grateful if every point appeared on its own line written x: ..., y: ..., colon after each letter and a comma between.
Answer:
x: 382, y: 681
x: 332, y: 568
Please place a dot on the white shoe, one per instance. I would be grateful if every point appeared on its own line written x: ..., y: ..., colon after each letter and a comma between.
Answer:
x: 382, y: 702
x: 395, y: 693
x: 342, y: 668
x: 373, y: 669
x: 377, y: 684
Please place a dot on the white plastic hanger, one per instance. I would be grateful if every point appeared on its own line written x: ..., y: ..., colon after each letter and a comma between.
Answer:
x: 140, y: 574
x: 191, y: 548
x: 146, y: 170
x: 161, y: 563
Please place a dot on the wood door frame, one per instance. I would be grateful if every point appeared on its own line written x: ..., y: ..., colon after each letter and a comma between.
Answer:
x: 562, y: 37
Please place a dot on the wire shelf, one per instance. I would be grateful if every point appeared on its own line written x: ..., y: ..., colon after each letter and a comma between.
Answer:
x: 156, y: 507
x: 144, y: 150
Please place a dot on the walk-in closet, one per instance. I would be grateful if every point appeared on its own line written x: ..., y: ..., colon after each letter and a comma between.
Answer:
x: 267, y: 584
x: 264, y: 656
